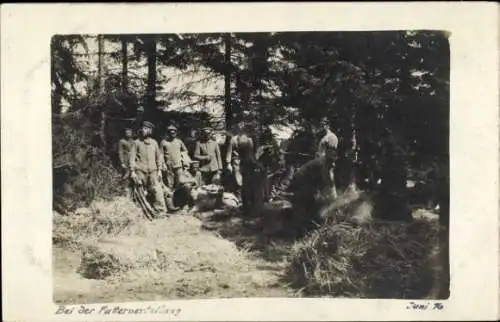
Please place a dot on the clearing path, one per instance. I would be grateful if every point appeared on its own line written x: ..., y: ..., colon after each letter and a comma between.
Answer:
x: 169, y: 258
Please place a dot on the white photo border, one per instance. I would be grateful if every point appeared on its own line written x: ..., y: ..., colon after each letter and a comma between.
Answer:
x: 26, y: 30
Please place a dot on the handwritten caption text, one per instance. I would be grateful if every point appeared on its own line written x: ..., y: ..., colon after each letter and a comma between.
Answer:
x: 424, y: 307
x: 116, y: 310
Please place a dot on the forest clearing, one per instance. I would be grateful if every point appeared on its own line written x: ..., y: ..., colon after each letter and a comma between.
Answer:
x: 119, y: 257
x: 307, y: 164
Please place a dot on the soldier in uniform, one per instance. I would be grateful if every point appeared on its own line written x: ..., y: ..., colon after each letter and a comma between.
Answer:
x: 207, y: 152
x: 172, y: 149
x: 145, y: 165
x: 190, y: 141
x: 189, y: 184
x: 270, y: 156
x: 327, y: 135
x: 241, y: 150
x: 174, y: 152
x: 124, y: 148
x: 312, y: 185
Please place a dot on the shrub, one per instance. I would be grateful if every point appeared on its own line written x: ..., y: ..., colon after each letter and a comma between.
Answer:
x: 82, y: 171
x: 98, y: 265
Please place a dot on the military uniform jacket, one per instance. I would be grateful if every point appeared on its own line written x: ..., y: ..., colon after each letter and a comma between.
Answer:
x: 124, y: 149
x: 172, y: 152
x: 241, y: 147
x: 208, y: 153
x: 145, y: 155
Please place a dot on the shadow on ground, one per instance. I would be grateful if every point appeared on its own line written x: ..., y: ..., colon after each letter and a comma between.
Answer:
x: 247, y: 234
x: 428, y: 279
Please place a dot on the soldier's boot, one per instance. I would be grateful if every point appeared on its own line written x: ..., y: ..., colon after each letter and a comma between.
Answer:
x: 128, y: 191
x: 170, y: 204
x: 160, y: 209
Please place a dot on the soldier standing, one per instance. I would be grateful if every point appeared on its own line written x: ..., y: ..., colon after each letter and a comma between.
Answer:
x: 190, y: 141
x: 270, y: 157
x: 241, y: 150
x: 146, y: 162
x: 207, y: 152
x: 172, y: 149
x: 124, y: 149
x: 327, y: 135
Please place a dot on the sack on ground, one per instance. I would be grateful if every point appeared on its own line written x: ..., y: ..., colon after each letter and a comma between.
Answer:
x: 207, y: 197
x: 229, y: 200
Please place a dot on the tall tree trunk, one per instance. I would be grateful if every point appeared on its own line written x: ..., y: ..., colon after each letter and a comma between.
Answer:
x: 56, y: 100
x: 151, y: 85
x: 258, y: 68
x: 393, y: 192
x: 124, y: 64
x: 352, y: 186
x: 100, y: 63
x: 56, y: 85
x: 57, y: 93
x: 227, y: 82
x: 100, y: 80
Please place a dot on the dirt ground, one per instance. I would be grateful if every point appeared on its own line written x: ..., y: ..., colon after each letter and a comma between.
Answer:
x: 203, y: 241
x: 264, y: 278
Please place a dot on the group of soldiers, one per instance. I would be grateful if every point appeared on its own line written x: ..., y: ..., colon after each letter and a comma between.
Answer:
x: 164, y: 167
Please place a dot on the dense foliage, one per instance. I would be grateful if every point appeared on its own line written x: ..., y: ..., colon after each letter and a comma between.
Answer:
x: 375, y: 87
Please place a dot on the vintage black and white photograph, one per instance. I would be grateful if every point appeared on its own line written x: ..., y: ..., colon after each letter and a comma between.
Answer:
x: 238, y: 165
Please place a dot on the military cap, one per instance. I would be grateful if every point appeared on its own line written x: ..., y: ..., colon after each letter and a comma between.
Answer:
x: 324, y: 121
x: 140, y: 109
x: 148, y: 124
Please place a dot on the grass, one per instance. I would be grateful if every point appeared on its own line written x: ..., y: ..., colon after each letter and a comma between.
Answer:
x: 349, y: 255
x: 164, y: 245
x: 101, y: 218
x: 168, y: 258
x: 352, y: 256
